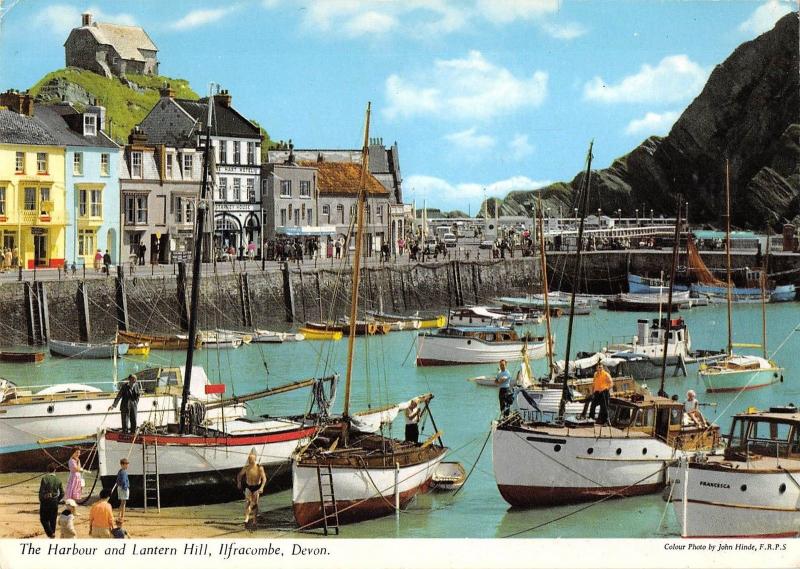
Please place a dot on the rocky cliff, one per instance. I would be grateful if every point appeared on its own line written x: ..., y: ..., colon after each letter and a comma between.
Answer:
x: 748, y: 112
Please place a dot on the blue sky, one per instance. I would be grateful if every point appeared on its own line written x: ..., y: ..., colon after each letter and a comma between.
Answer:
x: 495, y: 94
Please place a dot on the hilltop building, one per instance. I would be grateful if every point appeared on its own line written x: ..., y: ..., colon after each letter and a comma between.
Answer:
x: 111, y: 49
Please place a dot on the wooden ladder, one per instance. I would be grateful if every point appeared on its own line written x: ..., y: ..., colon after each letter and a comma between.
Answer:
x: 150, y: 478
x: 327, y: 499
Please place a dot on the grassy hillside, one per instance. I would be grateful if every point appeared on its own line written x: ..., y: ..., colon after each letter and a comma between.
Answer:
x: 125, y: 106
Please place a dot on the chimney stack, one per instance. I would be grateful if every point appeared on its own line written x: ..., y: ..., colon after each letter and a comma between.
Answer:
x: 223, y: 98
x: 167, y: 91
x: 86, y: 19
x: 137, y: 137
x: 20, y: 103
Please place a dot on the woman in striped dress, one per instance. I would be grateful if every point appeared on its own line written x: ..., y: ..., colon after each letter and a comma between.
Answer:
x: 75, y: 480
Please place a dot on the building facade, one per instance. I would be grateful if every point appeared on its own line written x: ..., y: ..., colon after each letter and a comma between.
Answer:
x: 237, y: 151
x: 289, y: 201
x: 111, y: 49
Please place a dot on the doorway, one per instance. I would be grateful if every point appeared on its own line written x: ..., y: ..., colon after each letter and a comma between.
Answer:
x: 40, y: 250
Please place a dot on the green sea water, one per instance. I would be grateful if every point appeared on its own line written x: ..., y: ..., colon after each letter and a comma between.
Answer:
x: 385, y: 372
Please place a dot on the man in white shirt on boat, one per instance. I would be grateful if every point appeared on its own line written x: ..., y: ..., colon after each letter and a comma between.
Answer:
x: 503, y: 379
x: 129, y: 396
x: 413, y: 414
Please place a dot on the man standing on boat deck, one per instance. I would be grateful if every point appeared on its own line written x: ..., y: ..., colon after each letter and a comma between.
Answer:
x: 129, y: 395
x: 50, y: 493
x: 503, y: 379
x: 601, y: 390
x: 413, y: 414
x: 252, y: 478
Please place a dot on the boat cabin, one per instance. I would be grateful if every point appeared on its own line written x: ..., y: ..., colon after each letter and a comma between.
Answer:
x: 774, y: 433
x: 492, y: 334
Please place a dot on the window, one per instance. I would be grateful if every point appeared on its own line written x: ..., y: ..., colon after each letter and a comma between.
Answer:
x: 89, y: 125
x: 77, y: 164
x: 97, y: 203
x: 20, y: 163
x: 283, y: 217
x: 82, y: 202
x: 286, y: 188
x: 340, y: 213
x: 305, y: 189
x: 237, y: 152
x: 237, y: 189
x: 105, y: 164
x: 30, y: 199
x: 2, y: 200
x: 369, y: 214
x: 135, y: 209
x: 187, y: 165
x: 169, y: 165
x: 223, y: 189
x: 188, y: 210
x: 289, y: 208
x: 326, y: 210
x: 86, y: 242
x: 296, y: 216
x: 41, y: 162
x: 44, y: 201
x: 309, y: 217
x: 178, y: 205
x: 136, y: 164
x: 251, y: 152
x: 223, y: 151
x: 379, y: 213
x: 251, y: 190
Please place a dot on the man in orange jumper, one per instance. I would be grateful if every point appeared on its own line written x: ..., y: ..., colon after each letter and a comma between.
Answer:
x: 601, y: 388
x: 101, y: 518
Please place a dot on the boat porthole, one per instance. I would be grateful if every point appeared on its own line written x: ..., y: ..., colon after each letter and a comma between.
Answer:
x: 782, y: 488
x: 557, y: 448
x: 469, y: 342
x: 743, y: 488
x: 590, y: 450
x: 619, y: 451
x: 644, y: 451
x: 155, y: 403
x: 88, y: 406
x: 50, y: 408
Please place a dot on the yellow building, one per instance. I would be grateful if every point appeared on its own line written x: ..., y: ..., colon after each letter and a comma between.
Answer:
x: 32, y: 186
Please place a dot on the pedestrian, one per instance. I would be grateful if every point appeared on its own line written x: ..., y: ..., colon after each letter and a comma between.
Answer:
x: 123, y: 487
x: 66, y: 521
x: 98, y: 260
x: 50, y: 494
x: 101, y: 518
x: 338, y: 249
x: 251, y: 250
x: 503, y: 380
x: 7, y: 259
x: 251, y: 479
x: 413, y: 414
x: 142, y: 251
x: 75, y: 480
x: 14, y: 258
x: 107, y: 261
x: 601, y: 388
x: 691, y: 409
x: 120, y: 532
x: 128, y: 394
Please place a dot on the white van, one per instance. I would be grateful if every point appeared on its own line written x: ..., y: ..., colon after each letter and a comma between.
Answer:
x: 449, y: 240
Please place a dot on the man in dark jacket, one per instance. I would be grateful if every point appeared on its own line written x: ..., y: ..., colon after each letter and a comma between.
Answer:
x: 129, y: 395
x: 50, y: 494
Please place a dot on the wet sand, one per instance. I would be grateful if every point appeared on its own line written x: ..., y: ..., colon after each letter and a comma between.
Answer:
x: 19, y: 515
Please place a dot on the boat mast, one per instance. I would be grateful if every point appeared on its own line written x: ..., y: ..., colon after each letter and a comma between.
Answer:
x: 545, y: 291
x: 362, y: 191
x: 728, y: 254
x: 763, y: 282
x: 197, y: 267
x: 675, y: 249
x: 582, y: 199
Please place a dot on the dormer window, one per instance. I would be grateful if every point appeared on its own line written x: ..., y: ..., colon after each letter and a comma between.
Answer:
x: 136, y: 164
x: 89, y: 125
x: 187, y: 166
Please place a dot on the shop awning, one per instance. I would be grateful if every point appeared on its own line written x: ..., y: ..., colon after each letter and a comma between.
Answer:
x: 307, y: 230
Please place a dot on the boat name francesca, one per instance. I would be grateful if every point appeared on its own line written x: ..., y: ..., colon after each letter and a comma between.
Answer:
x: 225, y: 550
x: 709, y: 547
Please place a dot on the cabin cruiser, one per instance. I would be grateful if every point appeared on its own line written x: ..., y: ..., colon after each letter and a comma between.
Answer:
x: 455, y: 345
x: 484, y: 316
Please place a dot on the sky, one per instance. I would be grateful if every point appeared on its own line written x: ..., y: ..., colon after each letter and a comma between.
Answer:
x: 480, y: 95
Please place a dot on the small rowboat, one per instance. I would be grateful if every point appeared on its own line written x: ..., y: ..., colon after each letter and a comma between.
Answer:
x: 157, y: 342
x: 486, y: 380
x: 316, y: 334
x: 437, y: 322
x: 83, y: 351
x: 448, y: 476
x: 270, y: 337
x: 142, y: 349
x: 22, y: 357
x: 243, y: 336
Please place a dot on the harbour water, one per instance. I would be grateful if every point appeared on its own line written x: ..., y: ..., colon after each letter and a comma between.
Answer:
x: 385, y: 373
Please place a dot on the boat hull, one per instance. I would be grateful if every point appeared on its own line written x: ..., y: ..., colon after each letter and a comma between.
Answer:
x: 435, y: 350
x: 156, y: 342
x: 742, y: 380
x: 81, y: 351
x: 22, y: 357
x: 313, y: 334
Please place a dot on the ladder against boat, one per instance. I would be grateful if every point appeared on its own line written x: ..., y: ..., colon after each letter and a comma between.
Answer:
x: 327, y: 499
x: 150, y: 477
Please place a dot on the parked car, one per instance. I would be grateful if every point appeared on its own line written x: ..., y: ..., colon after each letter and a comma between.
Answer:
x: 486, y: 244
x: 449, y: 240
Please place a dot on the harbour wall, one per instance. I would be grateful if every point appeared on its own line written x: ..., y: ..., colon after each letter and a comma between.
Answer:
x: 92, y: 309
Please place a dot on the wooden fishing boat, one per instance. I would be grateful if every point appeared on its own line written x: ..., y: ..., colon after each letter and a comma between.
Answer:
x: 646, y: 285
x: 448, y: 476
x: 397, y: 322
x: 84, y: 351
x: 321, y: 334
x: 157, y: 342
x: 627, y: 302
x: 22, y: 357
x: 750, y: 489
x: 142, y: 349
x: 483, y: 316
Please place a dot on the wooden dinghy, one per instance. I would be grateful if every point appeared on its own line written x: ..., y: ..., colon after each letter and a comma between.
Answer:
x: 22, y: 357
x: 142, y: 349
x: 84, y: 351
x: 316, y: 334
x: 156, y: 342
x: 448, y: 477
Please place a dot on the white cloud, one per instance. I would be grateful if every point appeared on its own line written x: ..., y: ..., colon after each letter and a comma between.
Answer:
x: 506, y: 11
x: 764, y: 17
x: 197, y: 18
x: 370, y: 23
x: 441, y: 193
x: 469, y: 88
x: 567, y: 31
x: 519, y: 147
x: 59, y: 19
x: 470, y: 140
x: 675, y: 78
x: 653, y: 123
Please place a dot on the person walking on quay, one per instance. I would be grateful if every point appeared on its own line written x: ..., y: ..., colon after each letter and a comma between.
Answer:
x: 98, y: 260
x: 503, y: 380
x: 413, y: 414
x: 66, y: 521
x: 338, y: 249
x: 251, y: 479
x: 128, y: 394
x: 14, y: 258
x: 601, y: 389
x: 7, y: 259
x: 107, y: 261
x: 123, y: 487
x: 50, y: 494
x: 251, y: 250
x: 75, y: 480
x: 142, y: 251
x: 101, y: 518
